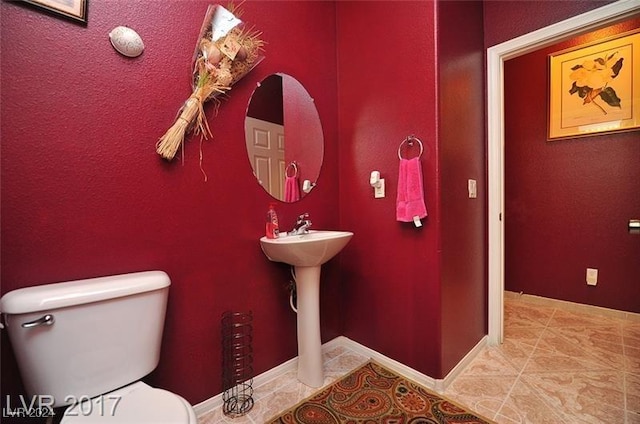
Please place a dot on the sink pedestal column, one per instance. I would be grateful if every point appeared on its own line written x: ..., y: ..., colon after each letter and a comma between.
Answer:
x: 310, y: 370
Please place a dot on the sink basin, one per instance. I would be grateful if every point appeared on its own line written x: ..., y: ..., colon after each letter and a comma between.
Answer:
x: 306, y: 253
x: 311, y: 249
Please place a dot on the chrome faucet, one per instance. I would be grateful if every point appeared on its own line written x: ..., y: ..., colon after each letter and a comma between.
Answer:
x: 302, y: 224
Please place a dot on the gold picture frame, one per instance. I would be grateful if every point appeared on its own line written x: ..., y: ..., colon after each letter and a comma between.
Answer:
x: 74, y: 9
x: 595, y: 88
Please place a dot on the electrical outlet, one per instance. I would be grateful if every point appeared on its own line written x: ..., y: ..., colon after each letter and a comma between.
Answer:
x: 592, y: 276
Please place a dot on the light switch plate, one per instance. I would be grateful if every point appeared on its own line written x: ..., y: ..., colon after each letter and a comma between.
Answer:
x: 473, y: 189
x: 378, y: 192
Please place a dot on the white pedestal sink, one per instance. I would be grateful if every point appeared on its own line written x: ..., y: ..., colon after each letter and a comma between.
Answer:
x: 306, y: 253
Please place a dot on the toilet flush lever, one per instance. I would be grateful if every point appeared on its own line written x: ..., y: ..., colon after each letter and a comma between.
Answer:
x: 45, y: 320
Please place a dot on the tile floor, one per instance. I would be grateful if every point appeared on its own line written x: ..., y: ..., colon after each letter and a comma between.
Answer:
x: 279, y: 394
x: 560, y: 363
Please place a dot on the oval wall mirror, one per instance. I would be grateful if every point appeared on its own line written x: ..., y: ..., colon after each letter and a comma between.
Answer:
x: 284, y: 138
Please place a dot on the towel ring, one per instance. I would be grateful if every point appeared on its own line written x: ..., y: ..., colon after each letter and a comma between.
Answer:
x: 409, y: 140
x: 295, y: 169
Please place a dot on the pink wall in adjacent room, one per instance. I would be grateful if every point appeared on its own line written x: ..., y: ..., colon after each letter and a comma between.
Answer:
x: 84, y: 194
x: 568, y: 201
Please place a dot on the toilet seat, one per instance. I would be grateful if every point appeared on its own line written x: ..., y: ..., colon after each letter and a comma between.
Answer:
x: 137, y: 403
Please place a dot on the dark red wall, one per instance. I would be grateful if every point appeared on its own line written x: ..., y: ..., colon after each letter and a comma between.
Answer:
x: 461, y: 143
x: 504, y: 20
x: 266, y: 101
x: 386, y: 80
x: 414, y: 294
x: 568, y: 201
x: 84, y: 194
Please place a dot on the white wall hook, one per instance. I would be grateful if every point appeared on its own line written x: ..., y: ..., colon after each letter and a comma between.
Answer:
x: 377, y: 183
x: 374, y: 180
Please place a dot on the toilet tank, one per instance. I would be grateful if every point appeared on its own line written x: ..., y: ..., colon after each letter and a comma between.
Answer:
x: 101, y: 333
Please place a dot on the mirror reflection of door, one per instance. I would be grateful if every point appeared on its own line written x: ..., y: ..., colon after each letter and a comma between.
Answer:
x: 266, y: 153
x: 264, y: 133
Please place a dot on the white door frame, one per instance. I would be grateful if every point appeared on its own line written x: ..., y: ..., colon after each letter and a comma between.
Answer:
x: 496, y: 56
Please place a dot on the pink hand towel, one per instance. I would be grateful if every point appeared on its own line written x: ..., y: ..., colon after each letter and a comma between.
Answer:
x: 410, y: 199
x: 291, y: 189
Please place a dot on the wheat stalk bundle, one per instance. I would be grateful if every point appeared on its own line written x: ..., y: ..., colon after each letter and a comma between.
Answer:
x: 219, y: 62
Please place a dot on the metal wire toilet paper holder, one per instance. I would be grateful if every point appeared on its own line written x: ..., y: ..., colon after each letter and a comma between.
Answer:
x: 237, y: 363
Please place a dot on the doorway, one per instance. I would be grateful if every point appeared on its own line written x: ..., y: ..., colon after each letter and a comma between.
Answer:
x: 496, y: 56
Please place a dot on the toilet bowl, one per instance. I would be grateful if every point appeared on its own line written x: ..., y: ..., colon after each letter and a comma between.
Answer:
x: 86, y: 344
x: 137, y: 403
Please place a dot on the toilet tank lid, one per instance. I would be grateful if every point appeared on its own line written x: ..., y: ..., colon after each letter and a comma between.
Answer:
x: 70, y: 293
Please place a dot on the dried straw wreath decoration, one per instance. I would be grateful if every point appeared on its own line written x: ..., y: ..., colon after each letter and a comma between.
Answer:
x: 225, y: 53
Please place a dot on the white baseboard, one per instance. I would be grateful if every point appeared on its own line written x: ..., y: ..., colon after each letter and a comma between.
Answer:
x: 460, y: 366
x: 392, y: 364
x: 438, y: 385
x: 572, y: 306
x: 208, y: 405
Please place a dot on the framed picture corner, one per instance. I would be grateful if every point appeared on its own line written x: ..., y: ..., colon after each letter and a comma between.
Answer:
x: 594, y: 88
x: 75, y: 10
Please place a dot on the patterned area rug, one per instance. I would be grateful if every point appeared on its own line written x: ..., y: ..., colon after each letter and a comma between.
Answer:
x: 373, y: 394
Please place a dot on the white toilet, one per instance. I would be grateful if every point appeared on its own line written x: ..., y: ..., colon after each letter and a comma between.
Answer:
x: 86, y: 343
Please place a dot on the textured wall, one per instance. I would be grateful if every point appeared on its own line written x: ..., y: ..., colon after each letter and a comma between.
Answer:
x: 461, y: 143
x: 429, y: 279
x: 84, y: 193
x: 386, y: 79
x: 504, y: 20
x: 425, y: 285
